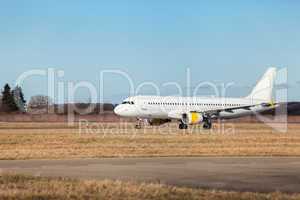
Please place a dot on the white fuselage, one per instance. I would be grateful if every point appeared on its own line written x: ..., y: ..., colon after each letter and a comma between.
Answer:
x: 172, y: 107
x: 193, y: 110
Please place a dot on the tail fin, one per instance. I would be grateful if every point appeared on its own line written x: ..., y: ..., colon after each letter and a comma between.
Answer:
x: 263, y: 91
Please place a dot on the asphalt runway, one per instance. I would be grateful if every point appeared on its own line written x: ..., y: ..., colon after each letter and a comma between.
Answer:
x: 226, y: 173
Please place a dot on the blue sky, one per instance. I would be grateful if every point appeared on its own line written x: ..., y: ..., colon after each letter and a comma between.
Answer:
x: 219, y: 41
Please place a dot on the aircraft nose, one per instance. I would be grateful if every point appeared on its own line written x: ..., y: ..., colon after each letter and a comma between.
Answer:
x: 124, y: 110
x: 121, y: 110
x: 117, y: 110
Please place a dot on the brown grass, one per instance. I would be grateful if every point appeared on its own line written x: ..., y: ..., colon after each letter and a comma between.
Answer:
x: 14, y: 186
x: 58, y: 140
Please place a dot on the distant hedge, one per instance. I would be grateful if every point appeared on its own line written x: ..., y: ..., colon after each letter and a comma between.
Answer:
x: 83, y: 108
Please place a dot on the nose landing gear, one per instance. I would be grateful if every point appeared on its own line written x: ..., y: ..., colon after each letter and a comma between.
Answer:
x: 139, y: 124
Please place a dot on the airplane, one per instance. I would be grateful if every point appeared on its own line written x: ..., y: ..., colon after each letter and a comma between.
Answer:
x: 158, y: 110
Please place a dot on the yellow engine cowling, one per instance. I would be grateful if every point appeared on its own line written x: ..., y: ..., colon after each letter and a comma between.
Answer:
x: 193, y: 118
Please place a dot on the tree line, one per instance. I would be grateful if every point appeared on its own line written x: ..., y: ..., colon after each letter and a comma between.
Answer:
x: 13, y: 100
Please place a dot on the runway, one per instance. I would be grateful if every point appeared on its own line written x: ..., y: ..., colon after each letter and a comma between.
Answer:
x: 257, y: 174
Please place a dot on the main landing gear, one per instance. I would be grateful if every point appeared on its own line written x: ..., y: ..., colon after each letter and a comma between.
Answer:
x: 207, y: 123
x: 183, y: 125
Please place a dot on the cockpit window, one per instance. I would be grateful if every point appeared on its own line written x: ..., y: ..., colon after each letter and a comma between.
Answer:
x: 128, y: 102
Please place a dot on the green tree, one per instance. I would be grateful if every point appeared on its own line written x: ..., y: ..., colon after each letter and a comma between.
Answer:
x: 8, y: 101
x: 19, y: 98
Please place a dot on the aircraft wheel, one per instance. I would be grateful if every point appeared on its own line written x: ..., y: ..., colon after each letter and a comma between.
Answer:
x: 183, y: 126
x: 207, y: 125
x: 138, y: 126
x: 180, y: 126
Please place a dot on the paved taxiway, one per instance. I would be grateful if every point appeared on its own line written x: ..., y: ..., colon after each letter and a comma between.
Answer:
x: 242, y: 174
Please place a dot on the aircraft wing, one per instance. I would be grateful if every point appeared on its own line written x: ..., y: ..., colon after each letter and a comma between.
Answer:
x: 215, y: 112
x: 177, y: 114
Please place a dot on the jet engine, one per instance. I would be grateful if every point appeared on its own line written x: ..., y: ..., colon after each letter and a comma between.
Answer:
x: 192, y: 118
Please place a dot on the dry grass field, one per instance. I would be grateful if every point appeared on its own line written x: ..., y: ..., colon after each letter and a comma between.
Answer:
x: 93, y: 140
x: 14, y: 186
